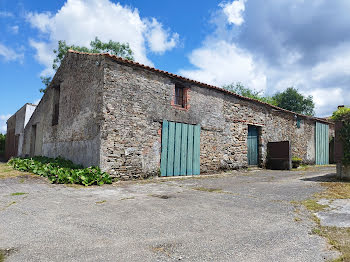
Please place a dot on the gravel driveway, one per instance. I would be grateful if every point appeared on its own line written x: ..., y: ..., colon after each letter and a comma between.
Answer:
x: 238, y: 216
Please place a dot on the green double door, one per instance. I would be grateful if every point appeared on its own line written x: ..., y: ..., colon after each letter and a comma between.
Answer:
x: 322, y: 143
x: 180, y: 149
x: 253, y: 145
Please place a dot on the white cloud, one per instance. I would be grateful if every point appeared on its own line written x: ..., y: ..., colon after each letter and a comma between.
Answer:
x: 78, y: 22
x: 157, y: 37
x: 44, y: 55
x: 327, y: 81
x: 220, y: 63
x: 234, y: 11
x: 282, y: 44
x: 335, y: 64
x: 333, y: 75
x: 5, y: 14
x: 327, y: 100
x: 3, y: 125
x: 9, y: 54
x: 41, y: 21
x: 14, y: 29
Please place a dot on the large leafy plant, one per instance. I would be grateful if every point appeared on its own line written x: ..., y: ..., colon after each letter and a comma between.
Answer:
x: 343, y: 115
x: 61, y: 171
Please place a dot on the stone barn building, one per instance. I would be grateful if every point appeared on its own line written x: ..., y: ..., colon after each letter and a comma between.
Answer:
x: 15, y: 130
x: 134, y: 121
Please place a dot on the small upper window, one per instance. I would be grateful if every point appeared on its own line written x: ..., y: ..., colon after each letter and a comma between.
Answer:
x: 180, y: 96
x: 56, y: 105
x: 299, y: 121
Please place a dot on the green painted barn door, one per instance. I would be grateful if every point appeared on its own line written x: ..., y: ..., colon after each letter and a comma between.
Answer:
x: 253, y: 145
x: 180, y: 149
x: 322, y: 144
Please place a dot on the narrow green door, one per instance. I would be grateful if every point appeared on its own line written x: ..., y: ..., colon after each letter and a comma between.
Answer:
x: 180, y: 149
x: 322, y: 144
x: 253, y: 145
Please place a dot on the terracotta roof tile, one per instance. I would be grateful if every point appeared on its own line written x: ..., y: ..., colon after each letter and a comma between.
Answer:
x: 126, y: 61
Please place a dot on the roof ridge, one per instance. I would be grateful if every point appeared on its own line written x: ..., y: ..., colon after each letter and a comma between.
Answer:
x: 118, y: 58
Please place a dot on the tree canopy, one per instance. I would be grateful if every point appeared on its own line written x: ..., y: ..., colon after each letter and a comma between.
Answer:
x: 239, y: 89
x: 2, y: 144
x: 342, y: 113
x: 290, y: 99
x: 96, y: 46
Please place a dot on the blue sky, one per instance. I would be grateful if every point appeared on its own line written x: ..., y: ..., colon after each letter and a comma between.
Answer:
x: 266, y: 45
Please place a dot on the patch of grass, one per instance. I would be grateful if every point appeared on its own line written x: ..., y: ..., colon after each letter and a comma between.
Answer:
x: 335, y: 190
x: 18, y: 194
x: 8, y: 205
x: 127, y: 198
x: 101, y: 202
x: 316, y: 219
x: 12, y: 203
x: 297, y: 219
x: 337, y: 237
x: 8, y: 172
x: 313, y: 206
x: 6, y: 252
x: 215, y: 190
x: 316, y: 231
x: 305, y: 168
x: 211, y: 190
x: 166, y: 249
x: 295, y: 203
x: 302, y: 167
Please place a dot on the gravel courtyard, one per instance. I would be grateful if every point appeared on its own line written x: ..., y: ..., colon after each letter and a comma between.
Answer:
x: 238, y: 216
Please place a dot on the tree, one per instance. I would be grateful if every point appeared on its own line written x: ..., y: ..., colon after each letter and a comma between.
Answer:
x: 2, y: 144
x: 292, y: 100
x: 289, y: 99
x: 239, y: 89
x: 96, y: 46
x: 342, y: 113
x: 46, y: 80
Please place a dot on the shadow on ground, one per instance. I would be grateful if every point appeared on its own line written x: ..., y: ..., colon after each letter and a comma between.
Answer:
x: 332, y: 177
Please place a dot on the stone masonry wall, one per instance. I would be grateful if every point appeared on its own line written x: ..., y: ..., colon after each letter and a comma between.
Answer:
x: 77, y: 134
x: 136, y: 101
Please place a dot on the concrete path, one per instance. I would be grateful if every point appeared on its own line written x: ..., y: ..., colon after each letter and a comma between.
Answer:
x: 232, y: 217
x: 337, y: 215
